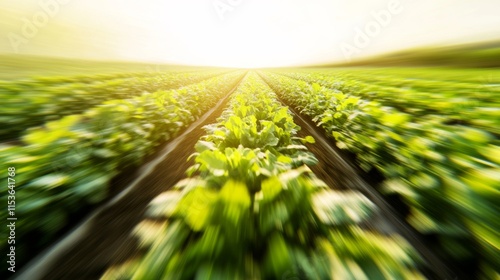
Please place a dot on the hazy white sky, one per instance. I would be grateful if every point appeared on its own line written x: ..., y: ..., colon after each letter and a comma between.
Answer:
x: 244, y: 33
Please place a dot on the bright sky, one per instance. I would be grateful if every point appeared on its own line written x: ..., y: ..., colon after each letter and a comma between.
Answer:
x: 240, y: 33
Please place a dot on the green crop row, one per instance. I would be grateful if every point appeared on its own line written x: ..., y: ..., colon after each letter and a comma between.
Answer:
x: 68, y: 164
x: 460, y: 80
x: 474, y: 104
x: 421, y: 78
x: 34, y: 102
x: 449, y: 175
x: 85, y: 78
x: 445, y: 90
x: 252, y: 209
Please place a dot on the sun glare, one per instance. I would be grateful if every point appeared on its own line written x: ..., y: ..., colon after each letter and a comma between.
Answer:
x: 245, y: 34
x: 240, y: 33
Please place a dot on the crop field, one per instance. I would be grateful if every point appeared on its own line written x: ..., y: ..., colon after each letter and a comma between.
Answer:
x: 286, y: 173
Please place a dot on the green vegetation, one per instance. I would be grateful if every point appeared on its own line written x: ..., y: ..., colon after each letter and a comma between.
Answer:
x: 68, y: 164
x: 250, y: 207
x: 254, y: 192
x: 15, y: 67
x: 466, y: 97
x: 29, y: 103
x: 449, y: 175
x: 485, y: 54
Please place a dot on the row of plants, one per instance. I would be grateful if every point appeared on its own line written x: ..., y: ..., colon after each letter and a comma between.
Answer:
x: 81, y: 78
x: 414, y: 77
x: 433, y: 89
x: 474, y: 104
x: 462, y: 80
x: 448, y: 175
x: 67, y: 165
x: 30, y: 103
x: 252, y: 209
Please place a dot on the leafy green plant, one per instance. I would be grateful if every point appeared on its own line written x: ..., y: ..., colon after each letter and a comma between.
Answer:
x: 257, y: 212
x: 442, y: 171
x: 68, y: 164
x: 29, y: 103
x: 453, y: 94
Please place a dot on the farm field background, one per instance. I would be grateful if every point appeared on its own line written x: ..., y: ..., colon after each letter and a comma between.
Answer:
x: 250, y: 140
x: 392, y: 172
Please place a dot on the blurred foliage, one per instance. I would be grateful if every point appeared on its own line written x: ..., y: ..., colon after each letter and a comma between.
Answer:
x: 443, y: 162
x: 16, y: 67
x: 68, y: 164
x: 467, y: 96
x: 250, y: 201
x: 482, y: 54
x: 28, y: 103
x: 255, y: 210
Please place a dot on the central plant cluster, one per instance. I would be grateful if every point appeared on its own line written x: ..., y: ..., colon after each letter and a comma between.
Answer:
x: 252, y: 209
